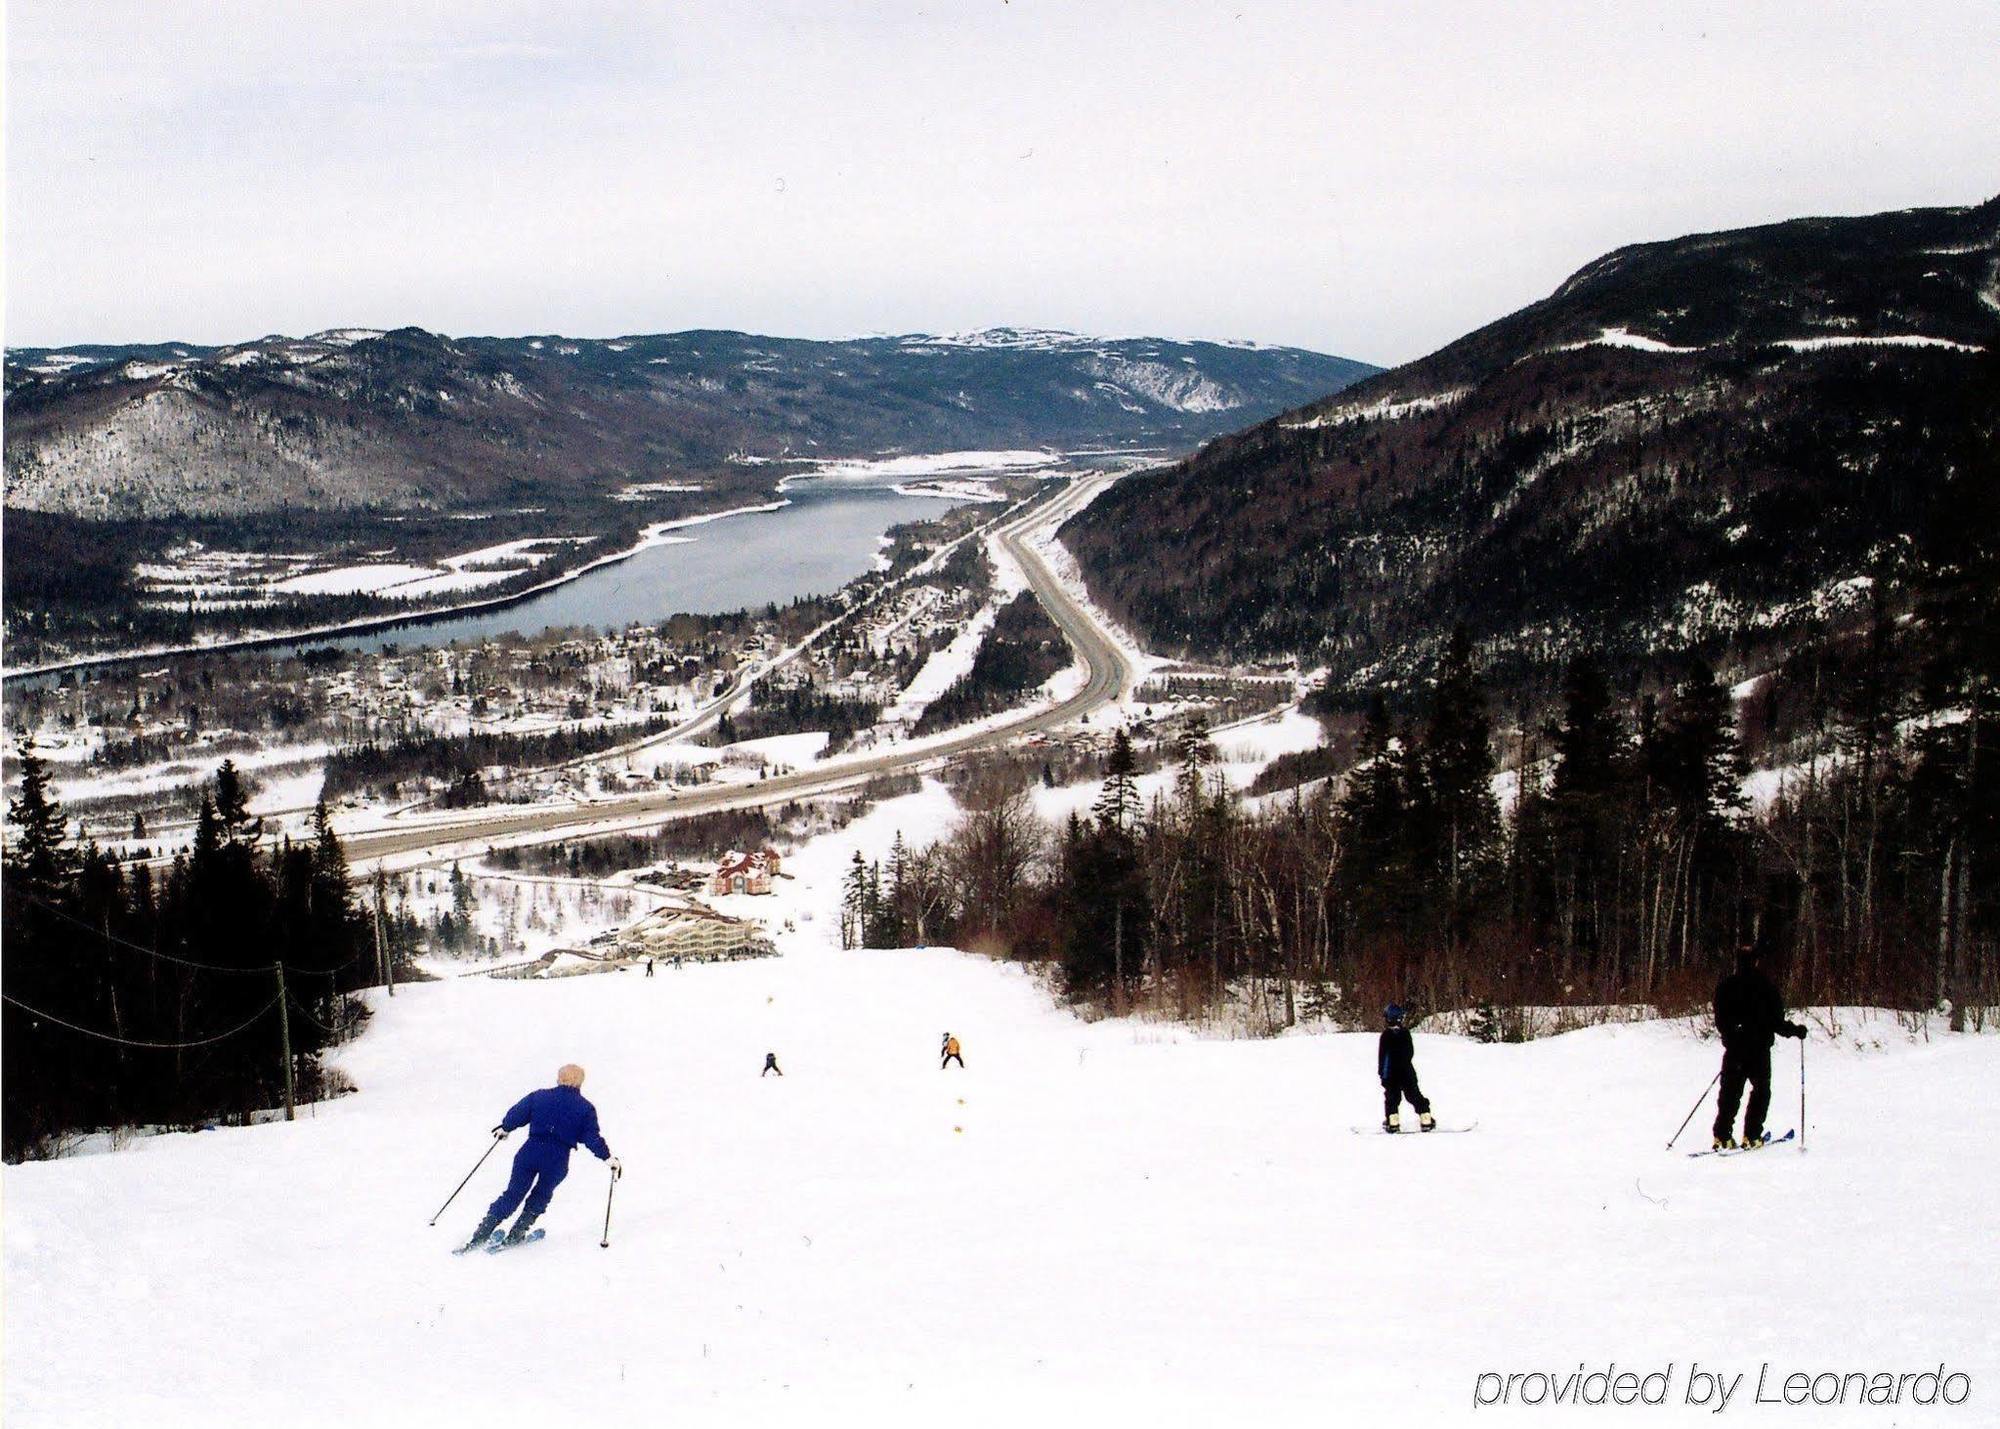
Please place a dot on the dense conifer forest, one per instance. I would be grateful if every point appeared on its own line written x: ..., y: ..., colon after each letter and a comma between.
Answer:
x: 1628, y: 871
x: 178, y: 995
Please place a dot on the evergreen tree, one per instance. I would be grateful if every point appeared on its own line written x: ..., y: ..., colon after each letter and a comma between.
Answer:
x: 462, y: 901
x: 1196, y: 745
x: 1576, y: 841
x: 1589, y: 743
x: 1698, y: 757
x: 145, y: 910
x: 207, y: 835
x: 39, y: 1069
x: 872, y: 918
x: 892, y: 906
x: 1103, y: 909
x: 329, y: 858
x: 1374, y: 861
x: 38, y: 863
x: 1460, y: 818
x: 1118, y: 801
x: 232, y: 800
x: 853, y: 904
x: 1197, y: 752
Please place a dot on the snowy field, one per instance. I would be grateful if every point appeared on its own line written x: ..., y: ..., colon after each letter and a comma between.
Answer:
x: 923, y: 465
x: 1116, y: 1221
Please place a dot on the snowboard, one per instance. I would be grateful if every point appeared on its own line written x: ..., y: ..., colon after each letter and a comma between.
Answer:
x: 1739, y: 1150
x: 1439, y: 1130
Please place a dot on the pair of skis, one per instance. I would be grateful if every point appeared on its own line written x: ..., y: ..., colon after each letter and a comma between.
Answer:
x: 498, y: 1242
x: 1739, y: 1150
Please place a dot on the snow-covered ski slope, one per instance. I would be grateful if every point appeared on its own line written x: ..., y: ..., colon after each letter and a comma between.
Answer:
x: 1103, y: 1223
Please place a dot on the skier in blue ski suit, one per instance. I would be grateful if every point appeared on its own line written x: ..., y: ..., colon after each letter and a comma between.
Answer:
x: 558, y: 1120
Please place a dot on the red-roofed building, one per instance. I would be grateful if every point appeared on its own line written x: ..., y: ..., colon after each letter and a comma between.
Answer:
x: 745, y: 872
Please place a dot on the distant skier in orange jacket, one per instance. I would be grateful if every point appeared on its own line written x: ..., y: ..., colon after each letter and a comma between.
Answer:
x: 950, y: 1051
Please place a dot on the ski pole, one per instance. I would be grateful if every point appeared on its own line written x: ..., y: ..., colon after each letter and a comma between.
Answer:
x: 1802, y: 1096
x: 605, y: 1244
x: 498, y: 1137
x: 1697, y: 1105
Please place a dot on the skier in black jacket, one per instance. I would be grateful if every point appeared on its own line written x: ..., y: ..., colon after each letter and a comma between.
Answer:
x: 1395, y: 1063
x: 1749, y: 1014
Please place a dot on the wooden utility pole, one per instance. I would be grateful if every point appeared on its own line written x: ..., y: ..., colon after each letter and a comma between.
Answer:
x: 1118, y: 957
x: 384, y: 966
x: 285, y: 1035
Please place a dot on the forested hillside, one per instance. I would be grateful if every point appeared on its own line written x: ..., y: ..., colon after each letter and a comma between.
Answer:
x: 1714, y: 446
x: 202, y: 993
x: 1726, y: 503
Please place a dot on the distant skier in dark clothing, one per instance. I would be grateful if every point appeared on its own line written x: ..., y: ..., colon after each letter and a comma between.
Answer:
x: 1395, y: 1063
x: 771, y: 1065
x: 1749, y: 1014
x: 949, y: 1053
x: 558, y: 1120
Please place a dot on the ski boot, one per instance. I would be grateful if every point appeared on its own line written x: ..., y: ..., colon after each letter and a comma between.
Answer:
x: 521, y: 1228
x: 480, y: 1236
x: 1426, y: 1122
x: 1393, y: 1124
x: 1724, y: 1142
x: 1752, y: 1141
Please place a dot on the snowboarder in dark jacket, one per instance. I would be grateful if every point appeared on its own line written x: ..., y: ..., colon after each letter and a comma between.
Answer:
x: 1395, y: 1063
x: 558, y: 1120
x: 1749, y: 1014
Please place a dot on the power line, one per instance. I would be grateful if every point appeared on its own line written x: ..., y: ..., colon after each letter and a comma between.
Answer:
x: 300, y: 1009
x: 130, y: 1042
x: 114, y: 939
x: 111, y: 937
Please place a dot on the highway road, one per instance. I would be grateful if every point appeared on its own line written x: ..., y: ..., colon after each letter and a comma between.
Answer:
x: 1109, y: 677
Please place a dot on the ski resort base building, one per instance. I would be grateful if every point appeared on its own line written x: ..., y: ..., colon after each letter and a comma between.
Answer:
x: 693, y: 934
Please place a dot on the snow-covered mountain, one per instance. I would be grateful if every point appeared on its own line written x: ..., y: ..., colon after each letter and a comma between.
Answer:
x: 1716, y: 444
x: 410, y: 419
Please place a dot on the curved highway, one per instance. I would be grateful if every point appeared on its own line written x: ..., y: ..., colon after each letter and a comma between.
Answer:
x: 1109, y: 676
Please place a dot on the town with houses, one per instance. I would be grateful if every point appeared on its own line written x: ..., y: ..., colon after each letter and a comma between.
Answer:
x: 389, y: 732
x: 129, y: 742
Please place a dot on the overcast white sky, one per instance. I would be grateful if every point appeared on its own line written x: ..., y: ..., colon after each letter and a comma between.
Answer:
x: 1367, y: 179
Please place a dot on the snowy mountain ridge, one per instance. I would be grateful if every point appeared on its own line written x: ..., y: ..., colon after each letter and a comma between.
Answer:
x: 1707, y: 444
x: 411, y: 420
